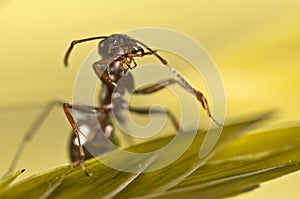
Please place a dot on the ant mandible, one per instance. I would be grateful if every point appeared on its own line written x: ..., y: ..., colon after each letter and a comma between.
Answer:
x: 118, y: 52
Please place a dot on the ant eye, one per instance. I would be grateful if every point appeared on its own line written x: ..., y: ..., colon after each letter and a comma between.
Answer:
x: 134, y: 49
x: 141, y: 50
x: 137, y: 49
x: 101, y: 44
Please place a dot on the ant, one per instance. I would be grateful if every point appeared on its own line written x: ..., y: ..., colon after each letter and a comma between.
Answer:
x: 118, y: 53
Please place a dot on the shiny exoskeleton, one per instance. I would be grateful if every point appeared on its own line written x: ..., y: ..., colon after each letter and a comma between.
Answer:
x: 118, y: 53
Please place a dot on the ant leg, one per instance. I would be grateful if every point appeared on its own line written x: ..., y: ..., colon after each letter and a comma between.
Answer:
x: 129, y: 85
x: 101, y: 69
x: 85, y: 109
x: 156, y: 87
x: 199, y: 95
x: 33, y: 128
x: 201, y: 98
x: 66, y: 107
x: 146, y: 111
x: 163, y: 84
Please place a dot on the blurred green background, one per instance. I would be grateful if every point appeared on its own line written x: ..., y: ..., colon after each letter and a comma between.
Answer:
x: 255, y: 44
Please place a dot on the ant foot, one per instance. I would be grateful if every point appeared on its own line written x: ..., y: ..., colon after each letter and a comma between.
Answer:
x: 82, y: 165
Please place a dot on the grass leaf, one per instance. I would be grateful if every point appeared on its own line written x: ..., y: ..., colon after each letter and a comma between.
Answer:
x: 235, y: 165
x: 5, y: 181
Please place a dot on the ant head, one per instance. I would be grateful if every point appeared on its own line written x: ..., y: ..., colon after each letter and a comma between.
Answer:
x: 114, y: 46
x: 117, y: 44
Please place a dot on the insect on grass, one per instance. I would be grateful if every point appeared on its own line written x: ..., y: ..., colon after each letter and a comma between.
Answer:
x: 118, y: 53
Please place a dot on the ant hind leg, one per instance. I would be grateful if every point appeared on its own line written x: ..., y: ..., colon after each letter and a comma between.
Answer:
x: 30, y: 132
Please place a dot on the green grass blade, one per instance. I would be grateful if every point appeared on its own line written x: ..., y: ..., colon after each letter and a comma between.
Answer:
x: 237, y: 164
x: 5, y: 181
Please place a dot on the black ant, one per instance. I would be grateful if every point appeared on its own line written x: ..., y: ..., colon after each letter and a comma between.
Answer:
x: 118, y: 52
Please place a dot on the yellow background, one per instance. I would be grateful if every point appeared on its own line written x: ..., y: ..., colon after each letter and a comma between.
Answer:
x: 255, y: 44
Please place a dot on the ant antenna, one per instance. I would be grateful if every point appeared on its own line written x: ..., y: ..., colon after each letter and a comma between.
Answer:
x: 153, y: 51
x: 73, y: 43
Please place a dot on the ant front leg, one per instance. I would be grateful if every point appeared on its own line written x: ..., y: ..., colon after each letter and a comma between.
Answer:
x: 163, y: 84
x: 199, y: 95
x: 156, y: 87
x: 201, y: 98
x: 102, y: 70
